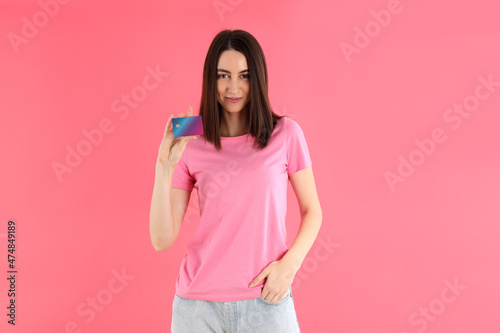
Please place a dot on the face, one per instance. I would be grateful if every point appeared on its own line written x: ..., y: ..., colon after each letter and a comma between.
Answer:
x: 233, y: 81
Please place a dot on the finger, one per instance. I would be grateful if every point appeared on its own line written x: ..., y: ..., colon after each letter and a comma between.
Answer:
x: 260, y: 277
x: 256, y: 281
x: 190, y: 111
x: 191, y: 137
x: 185, y: 139
x: 168, y: 126
x: 278, y: 298
x: 183, y: 142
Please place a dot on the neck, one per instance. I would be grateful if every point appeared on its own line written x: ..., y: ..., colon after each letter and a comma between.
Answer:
x: 234, y: 124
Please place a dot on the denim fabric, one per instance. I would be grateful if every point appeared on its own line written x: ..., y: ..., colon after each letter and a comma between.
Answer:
x: 250, y: 315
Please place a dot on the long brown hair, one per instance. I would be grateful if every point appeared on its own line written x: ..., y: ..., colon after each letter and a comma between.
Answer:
x: 261, y: 119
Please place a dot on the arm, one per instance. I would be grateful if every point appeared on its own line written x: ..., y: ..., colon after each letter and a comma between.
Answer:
x: 283, y: 271
x: 168, y: 206
x: 311, y: 217
x: 161, y: 227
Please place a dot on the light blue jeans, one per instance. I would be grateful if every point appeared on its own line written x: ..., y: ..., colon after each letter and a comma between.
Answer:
x: 250, y: 315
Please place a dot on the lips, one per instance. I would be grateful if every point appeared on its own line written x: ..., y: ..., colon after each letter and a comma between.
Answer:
x: 233, y: 100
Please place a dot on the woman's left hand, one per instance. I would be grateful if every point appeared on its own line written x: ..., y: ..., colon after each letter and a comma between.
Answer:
x: 280, y: 276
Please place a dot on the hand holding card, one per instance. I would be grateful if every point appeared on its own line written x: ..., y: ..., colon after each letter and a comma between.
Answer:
x: 171, y: 148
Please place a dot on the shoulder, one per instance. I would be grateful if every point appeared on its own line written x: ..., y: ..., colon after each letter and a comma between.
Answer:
x: 291, y: 126
x: 286, y: 122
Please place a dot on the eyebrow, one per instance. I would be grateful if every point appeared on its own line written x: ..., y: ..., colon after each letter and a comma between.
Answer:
x: 226, y: 71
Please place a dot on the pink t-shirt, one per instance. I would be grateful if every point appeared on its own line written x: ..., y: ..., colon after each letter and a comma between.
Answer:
x: 243, y: 200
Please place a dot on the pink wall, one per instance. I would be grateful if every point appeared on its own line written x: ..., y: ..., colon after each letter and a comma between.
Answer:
x: 408, y: 181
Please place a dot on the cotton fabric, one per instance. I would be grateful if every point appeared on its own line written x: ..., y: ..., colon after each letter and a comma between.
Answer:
x: 242, y: 198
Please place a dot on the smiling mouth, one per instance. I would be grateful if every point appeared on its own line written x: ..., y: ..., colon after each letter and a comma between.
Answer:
x: 233, y: 100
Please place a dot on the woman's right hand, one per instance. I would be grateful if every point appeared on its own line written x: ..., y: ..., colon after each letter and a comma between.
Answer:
x: 171, y: 148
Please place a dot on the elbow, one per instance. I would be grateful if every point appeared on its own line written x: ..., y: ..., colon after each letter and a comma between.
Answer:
x: 319, y: 216
x: 158, y: 248
x: 162, y: 246
x: 314, y: 215
x: 314, y: 211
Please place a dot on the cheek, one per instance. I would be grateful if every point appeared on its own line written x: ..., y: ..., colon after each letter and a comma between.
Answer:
x: 219, y: 91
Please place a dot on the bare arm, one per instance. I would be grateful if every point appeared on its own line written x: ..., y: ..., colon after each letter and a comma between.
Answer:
x: 162, y: 229
x: 311, y: 214
x: 168, y: 204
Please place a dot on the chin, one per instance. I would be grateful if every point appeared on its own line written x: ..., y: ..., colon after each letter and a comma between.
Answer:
x: 233, y: 108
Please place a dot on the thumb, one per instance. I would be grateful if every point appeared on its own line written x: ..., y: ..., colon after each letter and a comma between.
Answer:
x: 258, y: 279
x: 185, y: 140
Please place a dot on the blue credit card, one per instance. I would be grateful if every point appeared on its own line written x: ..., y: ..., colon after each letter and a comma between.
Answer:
x: 185, y: 126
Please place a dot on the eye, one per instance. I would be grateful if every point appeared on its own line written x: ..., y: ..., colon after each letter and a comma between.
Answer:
x: 221, y: 75
x: 245, y: 76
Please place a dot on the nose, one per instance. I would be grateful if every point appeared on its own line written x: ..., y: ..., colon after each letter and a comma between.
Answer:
x: 233, y: 86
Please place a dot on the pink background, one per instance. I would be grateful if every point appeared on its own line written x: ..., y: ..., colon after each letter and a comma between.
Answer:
x: 391, y: 252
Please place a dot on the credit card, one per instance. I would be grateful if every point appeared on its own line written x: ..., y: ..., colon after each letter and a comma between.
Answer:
x: 186, y: 126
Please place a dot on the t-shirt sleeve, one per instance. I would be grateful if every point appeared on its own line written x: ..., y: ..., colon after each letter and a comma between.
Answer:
x: 182, y: 179
x: 297, y: 151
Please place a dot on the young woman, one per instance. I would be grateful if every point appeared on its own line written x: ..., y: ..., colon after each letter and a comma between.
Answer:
x: 237, y: 273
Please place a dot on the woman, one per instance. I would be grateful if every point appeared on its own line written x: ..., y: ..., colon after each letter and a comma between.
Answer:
x: 237, y: 273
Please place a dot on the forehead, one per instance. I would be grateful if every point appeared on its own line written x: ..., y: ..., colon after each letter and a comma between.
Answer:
x: 232, y: 60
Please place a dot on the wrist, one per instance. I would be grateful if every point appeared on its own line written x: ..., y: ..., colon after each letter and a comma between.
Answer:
x: 291, y: 261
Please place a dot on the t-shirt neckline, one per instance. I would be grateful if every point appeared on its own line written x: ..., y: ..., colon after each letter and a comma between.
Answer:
x: 239, y: 137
